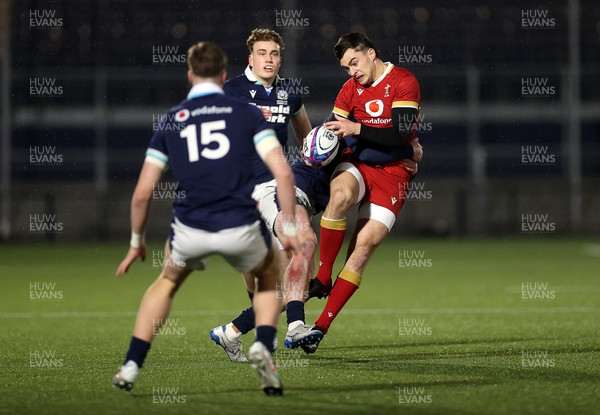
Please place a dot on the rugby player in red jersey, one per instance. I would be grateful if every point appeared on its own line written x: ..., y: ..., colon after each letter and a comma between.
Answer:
x: 384, y: 101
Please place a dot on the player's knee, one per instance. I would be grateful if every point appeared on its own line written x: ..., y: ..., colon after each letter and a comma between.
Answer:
x: 305, y: 232
x: 363, y: 251
x: 308, y: 247
x: 368, y: 244
x: 341, y: 198
x: 308, y: 240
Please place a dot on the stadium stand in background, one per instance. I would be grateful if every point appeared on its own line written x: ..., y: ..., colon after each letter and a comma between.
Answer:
x: 476, y: 124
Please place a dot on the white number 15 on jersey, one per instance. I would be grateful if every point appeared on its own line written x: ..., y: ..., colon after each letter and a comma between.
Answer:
x: 208, y: 135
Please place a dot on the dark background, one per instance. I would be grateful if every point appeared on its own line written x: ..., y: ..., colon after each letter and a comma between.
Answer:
x: 476, y: 116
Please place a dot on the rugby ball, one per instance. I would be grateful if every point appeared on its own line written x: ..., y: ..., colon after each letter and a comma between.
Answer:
x: 320, y: 146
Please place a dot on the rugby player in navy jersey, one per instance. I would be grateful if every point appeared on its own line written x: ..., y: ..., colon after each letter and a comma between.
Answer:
x: 261, y: 85
x: 211, y: 160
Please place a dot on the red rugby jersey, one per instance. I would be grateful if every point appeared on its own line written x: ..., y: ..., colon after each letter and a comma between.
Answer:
x: 372, y: 105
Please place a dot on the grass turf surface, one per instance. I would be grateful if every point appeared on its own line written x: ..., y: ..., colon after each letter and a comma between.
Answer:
x: 452, y: 335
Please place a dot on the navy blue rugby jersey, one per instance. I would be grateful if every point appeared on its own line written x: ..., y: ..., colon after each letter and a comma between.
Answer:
x: 282, y: 100
x: 208, y: 141
x: 314, y: 181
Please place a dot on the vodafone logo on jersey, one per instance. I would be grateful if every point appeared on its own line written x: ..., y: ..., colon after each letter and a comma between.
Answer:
x: 374, y: 108
x: 182, y: 115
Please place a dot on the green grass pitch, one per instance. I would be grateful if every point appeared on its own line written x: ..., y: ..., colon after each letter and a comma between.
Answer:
x: 456, y: 327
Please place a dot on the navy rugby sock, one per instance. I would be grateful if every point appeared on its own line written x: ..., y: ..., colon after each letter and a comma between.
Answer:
x: 138, y: 349
x: 245, y: 321
x: 266, y: 335
x: 294, y: 311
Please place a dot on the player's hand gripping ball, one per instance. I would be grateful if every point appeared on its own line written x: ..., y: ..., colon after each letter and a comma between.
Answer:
x: 320, y: 146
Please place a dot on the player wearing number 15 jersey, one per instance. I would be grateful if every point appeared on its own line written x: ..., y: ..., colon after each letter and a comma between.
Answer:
x: 209, y: 146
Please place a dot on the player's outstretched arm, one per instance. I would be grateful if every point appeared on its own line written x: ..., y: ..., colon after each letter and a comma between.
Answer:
x: 286, y: 196
x: 140, y: 206
x: 271, y: 153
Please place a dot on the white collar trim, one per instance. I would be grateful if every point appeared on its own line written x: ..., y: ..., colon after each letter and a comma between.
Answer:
x: 204, y: 88
x: 252, y: 78
x: 383, y: 75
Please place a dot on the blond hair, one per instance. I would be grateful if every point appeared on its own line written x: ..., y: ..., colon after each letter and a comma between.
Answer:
x: 264, y: 35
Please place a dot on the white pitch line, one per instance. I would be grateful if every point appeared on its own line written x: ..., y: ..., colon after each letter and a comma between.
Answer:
x: 107, y: 314
x: 477, y: 310
x: 372, y: 311
x: 514, y: 289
